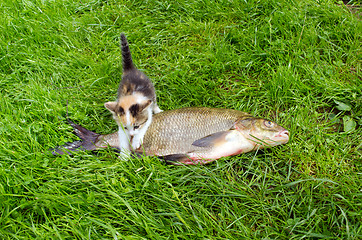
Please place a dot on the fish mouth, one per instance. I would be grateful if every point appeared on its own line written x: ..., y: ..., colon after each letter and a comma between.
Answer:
x: 283, y: 136
x: 280, y: 138
x: 271, y: 141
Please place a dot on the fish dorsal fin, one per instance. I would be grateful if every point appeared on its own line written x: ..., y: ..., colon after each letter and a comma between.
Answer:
x: 212, y: 139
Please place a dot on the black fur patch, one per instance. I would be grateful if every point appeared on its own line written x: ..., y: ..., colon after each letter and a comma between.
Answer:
x: 134, y: 109
x: 136, y: 81
x: 126, y: 54
x: 121, y: 110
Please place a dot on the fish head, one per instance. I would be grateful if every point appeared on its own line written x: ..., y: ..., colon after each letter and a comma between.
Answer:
x: 264, y: 133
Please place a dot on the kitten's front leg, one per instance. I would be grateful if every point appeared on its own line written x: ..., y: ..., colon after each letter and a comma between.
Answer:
x: 124, y: 155
x: 138, y: 138
x: 136, y: 142
x: 123, y: 144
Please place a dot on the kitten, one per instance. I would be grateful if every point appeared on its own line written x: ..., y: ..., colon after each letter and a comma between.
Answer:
x: 136, y: 101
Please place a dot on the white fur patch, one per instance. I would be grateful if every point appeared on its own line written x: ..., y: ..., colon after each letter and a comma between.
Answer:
x: 140, y: 98
x: 156, y: 108
x: 128, y: 119
x: 123, y: 142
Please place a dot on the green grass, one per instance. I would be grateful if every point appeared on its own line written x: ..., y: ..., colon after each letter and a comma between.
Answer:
x: 295, y: 62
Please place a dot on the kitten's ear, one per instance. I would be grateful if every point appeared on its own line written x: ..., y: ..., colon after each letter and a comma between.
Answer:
x: 145, y: 105
x: 111, y: 106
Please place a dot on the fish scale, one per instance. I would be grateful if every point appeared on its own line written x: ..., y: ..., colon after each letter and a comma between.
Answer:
x: 163, y: 138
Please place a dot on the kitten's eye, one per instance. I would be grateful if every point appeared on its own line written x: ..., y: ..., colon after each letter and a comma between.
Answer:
x: 268, y: 124
x: 121, y: 111
x: 136, y: 127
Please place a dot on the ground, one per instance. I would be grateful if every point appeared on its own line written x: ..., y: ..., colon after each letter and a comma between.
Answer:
x: 297, y: 63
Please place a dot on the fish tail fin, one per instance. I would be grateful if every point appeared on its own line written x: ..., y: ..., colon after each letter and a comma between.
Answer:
x: 83, y: 133
x: 126, y: 54
x: 87, y: 142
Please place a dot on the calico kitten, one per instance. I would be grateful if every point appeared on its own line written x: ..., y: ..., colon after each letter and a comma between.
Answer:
x: 135, y: 104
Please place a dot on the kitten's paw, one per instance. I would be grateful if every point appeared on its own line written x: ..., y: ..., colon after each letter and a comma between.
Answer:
x: 136, y: 143
x: 124, y: 156
x: 157, y: 110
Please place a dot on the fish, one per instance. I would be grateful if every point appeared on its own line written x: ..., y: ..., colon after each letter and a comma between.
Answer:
x: 191, y: 135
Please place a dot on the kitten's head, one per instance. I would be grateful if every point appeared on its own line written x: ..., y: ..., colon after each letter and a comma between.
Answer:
x: 130, y: 112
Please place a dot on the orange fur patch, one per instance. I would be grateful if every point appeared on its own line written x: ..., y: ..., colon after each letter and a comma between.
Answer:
x: 126, y: 102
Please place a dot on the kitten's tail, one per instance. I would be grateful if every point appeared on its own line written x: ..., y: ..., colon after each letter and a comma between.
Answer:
x: 126, y: 54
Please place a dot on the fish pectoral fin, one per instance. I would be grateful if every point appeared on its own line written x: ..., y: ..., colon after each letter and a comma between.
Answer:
x: 174, y: 158
x: 212, y: 140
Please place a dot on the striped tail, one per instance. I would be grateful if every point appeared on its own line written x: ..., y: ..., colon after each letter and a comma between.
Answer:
x: 126, y: 54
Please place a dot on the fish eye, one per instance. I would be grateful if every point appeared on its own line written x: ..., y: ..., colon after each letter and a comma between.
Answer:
x: 268, y: 124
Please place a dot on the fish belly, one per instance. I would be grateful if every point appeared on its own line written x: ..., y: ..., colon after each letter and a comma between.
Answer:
x: 235, y: 143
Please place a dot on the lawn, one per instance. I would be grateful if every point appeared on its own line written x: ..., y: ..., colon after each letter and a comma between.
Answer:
x: 295, y: 62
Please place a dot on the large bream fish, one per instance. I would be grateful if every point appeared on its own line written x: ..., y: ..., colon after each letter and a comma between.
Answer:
x: 192, y: 135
